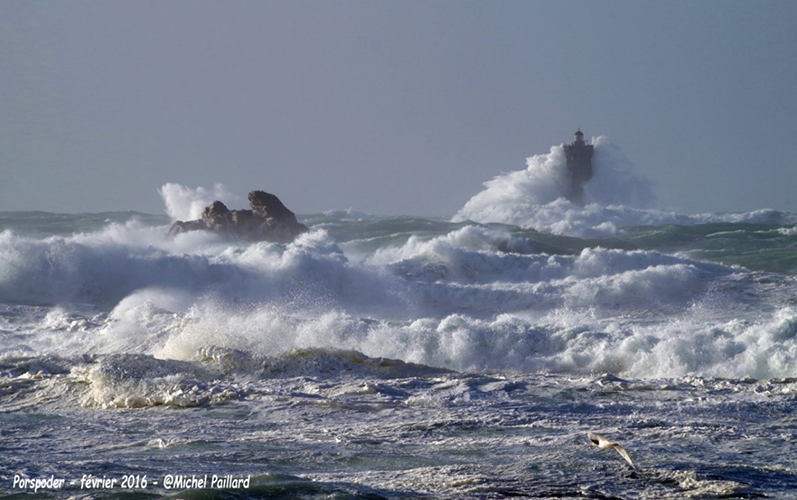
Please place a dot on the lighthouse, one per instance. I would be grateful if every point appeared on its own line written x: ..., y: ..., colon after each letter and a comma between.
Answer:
x: 579, y: 167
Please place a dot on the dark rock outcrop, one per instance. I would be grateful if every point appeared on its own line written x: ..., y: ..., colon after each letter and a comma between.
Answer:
x: 268, y: 220
x: 216, y: 216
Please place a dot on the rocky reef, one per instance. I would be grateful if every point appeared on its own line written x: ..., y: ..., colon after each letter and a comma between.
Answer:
x: 268, y: 220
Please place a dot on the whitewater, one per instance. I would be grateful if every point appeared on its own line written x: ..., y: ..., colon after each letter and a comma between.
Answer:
x: 406, y: 357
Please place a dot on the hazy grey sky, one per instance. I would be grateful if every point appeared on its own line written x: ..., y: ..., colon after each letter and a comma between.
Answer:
x: 390, y: 107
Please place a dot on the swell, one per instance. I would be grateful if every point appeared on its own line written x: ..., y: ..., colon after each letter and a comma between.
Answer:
x: 647, y: 302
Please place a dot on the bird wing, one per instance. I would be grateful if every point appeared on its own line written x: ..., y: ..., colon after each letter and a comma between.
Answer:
x: 624, y: 454
x: 595, y: 438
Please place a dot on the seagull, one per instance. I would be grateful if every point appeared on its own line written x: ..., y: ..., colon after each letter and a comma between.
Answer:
x: 603, y: 443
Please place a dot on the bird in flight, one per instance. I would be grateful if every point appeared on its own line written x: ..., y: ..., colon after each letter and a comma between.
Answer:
x: 603, y: 443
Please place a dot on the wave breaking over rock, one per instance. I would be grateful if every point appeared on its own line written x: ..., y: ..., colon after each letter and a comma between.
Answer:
x: 268, y: 220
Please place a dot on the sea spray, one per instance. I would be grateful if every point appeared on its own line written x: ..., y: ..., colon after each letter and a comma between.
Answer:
x: 616, y: 181
x: 184, y: 203
x: 535, y: 197
x: 396, y: 356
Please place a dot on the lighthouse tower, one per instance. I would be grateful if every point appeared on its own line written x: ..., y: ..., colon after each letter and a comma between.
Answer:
x: 579, y: 167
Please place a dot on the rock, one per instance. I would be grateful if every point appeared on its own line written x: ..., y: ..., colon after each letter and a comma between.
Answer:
x: 267, y: 205
x: 280, y: 224
x: 242, y: 217
x: 268, y: 220
x: 217, y: 216
x: 181, y: 227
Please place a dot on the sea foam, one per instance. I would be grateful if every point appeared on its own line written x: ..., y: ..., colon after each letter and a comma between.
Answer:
x: 457, y: 296
x: 184, y: 203
x: 536, y: 196
x: 617, y: 196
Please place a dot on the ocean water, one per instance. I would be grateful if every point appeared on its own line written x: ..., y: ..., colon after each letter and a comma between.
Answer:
x: 405, y: 357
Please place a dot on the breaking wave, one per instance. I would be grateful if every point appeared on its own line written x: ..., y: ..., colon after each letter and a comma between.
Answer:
x: 616, y: 197
x: 184, y: 203
x: 461, y: 297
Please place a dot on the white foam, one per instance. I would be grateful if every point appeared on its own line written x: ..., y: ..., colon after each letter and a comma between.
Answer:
x: 616, y: 197
x: 475, y: 298
x: 137, y: 380
x: 468, y: 238
x: 184, y: 203
x: 561, y: 341
x: 349, y: 214
x: 100, y: 268
x: 535, y: 197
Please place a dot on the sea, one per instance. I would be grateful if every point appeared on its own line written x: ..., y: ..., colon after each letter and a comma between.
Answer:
x: 403, y: 357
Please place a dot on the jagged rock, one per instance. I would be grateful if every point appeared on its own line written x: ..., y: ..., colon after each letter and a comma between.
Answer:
x: 268, y: 220
x: 216, y: 216
x: 180, y: 227
x: 280, y: 224
x: 267, y: 205
x: 242, y: 217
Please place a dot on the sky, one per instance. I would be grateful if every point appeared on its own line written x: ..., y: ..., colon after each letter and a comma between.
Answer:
x: 390, y: 107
